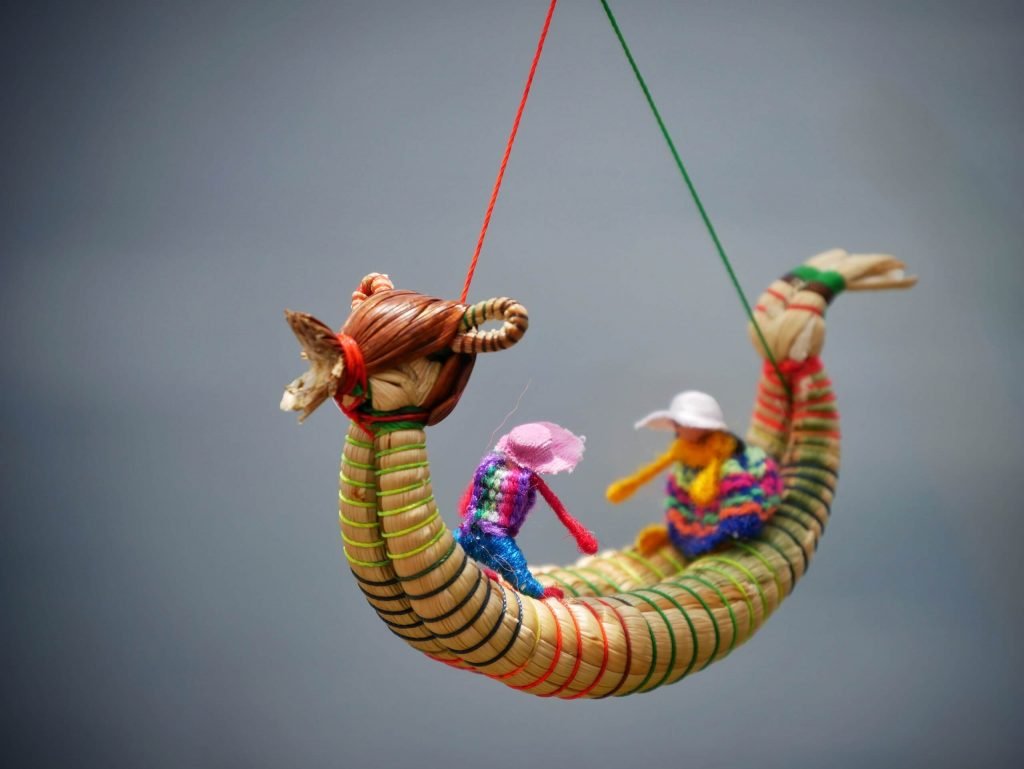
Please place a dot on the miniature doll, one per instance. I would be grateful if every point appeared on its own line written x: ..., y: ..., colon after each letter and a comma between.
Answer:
x: 503, y: 491
x: 719, y: 488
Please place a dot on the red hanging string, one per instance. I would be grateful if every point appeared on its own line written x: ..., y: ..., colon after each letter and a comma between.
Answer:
x: 508, y: 151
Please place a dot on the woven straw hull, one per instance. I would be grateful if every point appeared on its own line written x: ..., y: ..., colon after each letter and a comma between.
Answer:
x: 630, y: 622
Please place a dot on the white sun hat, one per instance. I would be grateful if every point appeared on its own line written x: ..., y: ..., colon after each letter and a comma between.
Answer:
x: 688, y: 409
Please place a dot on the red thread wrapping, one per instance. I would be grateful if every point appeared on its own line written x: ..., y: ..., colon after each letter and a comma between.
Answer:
x: 557, y: 656
x: 629, y: 648
x: 769, y: 407
x: 604, y: 659
x: 579, y: 655
x: 808, y: 308
x: 355, y: 367
x: 355, y: 375
x: 769, y: 422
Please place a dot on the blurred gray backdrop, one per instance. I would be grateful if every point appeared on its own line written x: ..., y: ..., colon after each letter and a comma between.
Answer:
x: 176, y: 174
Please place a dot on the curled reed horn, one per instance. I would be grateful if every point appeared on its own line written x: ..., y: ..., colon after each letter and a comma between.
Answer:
x: 514, y: 322
x: 370, y: 285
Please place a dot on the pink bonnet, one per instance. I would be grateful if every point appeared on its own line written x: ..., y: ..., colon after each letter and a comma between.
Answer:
x: 543, y: 447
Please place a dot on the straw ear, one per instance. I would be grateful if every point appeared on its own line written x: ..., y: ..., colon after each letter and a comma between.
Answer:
x: 370, y: 285
x: 320, y: 346
x: 514, y: 322
x: 317, y: 340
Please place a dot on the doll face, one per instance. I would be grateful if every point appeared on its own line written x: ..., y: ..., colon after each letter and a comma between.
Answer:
x: 691, y: 434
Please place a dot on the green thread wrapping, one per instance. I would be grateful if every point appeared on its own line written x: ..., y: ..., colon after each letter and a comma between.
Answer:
x: 764, y: 562
x: 671, y: 637
x: 356, y: 442
x: 824, y: 408
x: 399, y: 449
x: 354, y: 482
x: 669, y: 555
x: 693, y: 193
x: 654, y: 654
x: 379, y: 428
x: 835, y: 282
x: 420, y: 549
x: 399, y: 468
x: 711, y: 616
x: 689, y: 622
x: 817, y: 425
x: 406, y: 508
x: 751, y: 627
x: 805, y: 502
x: 644, y: 562
x: 750, y: 576
x: 725, y: 603
x: 386, y: 428
x: 794, y: 516
x: 357, y: 524
x: 597, y: 573
x: 410, y: 529
x: 403, y: 489
x: 356, y: 502
x: 364, y: 545
x: 584, y: 580
x: 763, y: 539
x: 425, y: 571
x: 621, y: 566
x: 367, y: 564
x: 358, y: 465
x: 802, y: 484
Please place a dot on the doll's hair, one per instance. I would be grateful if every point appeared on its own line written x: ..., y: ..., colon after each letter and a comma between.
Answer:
x: 396, y: 326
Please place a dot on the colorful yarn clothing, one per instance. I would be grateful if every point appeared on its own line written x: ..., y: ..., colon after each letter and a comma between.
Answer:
x: 749, y: 491
x: 501, y: 554
x: 501, y: 495
x: 493, y: 509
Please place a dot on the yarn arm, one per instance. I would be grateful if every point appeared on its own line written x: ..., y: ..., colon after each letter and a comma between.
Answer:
x: 465, y: 498
x: 624, y: 488
x: 585, y: 540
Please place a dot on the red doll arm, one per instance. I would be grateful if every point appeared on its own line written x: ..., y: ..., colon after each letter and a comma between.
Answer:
x: 586, y: 541
x: 464, y: 499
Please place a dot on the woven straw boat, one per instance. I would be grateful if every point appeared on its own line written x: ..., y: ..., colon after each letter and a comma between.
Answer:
x: 629, y: 622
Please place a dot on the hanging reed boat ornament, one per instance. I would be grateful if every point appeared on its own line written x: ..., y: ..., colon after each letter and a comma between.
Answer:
x: 629, y: 621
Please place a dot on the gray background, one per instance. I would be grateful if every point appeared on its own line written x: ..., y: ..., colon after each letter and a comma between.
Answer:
x: 177, y: 173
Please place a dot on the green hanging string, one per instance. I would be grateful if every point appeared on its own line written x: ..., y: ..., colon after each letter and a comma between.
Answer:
x: 696, y: 198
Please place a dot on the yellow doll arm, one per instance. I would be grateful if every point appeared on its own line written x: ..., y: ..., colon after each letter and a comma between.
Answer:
x: 624, y: 488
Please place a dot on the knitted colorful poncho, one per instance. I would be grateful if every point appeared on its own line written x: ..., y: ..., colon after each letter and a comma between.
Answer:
x: 749, y: 491
x: 500, y: 496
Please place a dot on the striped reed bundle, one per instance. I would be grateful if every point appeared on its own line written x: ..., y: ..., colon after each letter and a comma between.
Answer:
x: 630, y: 622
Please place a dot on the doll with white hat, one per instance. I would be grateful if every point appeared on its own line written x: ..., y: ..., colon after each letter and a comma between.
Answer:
x: 719, y: 488
x: 502, y: 493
